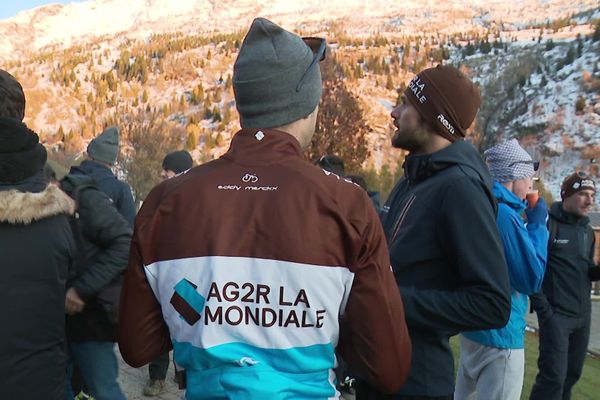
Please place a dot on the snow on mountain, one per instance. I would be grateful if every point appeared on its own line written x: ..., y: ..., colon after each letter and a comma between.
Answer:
x: 78, y: 22
x: 529, y: 91
x: 537, y: 104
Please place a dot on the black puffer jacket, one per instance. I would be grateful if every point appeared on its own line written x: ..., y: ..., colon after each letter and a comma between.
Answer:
x: 566, y: 287
x: 36, y: 249
x: 101, y: 261
x: 448, y: 259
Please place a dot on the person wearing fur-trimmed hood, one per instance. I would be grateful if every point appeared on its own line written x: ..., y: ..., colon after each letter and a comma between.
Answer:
x: 37, y: 250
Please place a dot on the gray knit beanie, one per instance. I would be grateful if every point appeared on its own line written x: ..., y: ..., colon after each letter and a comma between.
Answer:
x: 509, y: 162
x: 105, y: 147
x: 266, y: 77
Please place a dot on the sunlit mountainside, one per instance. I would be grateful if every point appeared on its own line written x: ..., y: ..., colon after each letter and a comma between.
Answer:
x: 163, y: 65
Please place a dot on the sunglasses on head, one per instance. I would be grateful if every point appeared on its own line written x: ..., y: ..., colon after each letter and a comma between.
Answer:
x: 319, y: 48
x: 536, y: 164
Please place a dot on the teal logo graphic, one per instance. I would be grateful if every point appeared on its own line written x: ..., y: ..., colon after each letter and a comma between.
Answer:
x: 187, y: 301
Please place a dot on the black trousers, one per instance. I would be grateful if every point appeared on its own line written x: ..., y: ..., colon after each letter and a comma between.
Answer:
x: 364, y: 391
x: 158, y: 368
x: 563, y: 346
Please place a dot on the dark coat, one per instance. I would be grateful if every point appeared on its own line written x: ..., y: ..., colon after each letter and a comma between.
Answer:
x: 102, y: 258
x: 566, y: 287
x: 117, y: 190
x: 448, y: 259
x: 36, y: 249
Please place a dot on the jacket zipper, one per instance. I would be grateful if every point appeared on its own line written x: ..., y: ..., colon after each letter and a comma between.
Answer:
x: 409, y: 203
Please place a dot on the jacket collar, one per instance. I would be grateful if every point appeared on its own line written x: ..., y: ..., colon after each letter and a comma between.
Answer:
x: 262, y: 147
x: 422, y: 166
x: 25, y: 207
x: 507, y: 197
x: 557, y: 211
x: 92, y: 168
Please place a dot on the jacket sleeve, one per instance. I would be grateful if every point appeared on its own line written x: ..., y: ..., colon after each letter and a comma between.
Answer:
x: 374, y: 338
x: 102, y: 225
x: 468, y: 234
x: 525, y: 248
x: 541, y: 305
x: 126, y: 204
x: 143, y: 334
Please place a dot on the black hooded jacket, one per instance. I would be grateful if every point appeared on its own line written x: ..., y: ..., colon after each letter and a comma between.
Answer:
x: 37, y: 250
x: 566, y: 287
x: 447, y: 257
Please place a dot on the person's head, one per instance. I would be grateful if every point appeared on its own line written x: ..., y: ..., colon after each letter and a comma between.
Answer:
x: 104, y: 148
x: 175, y: 163
x: 333, y: 164
x: 21, y: 154
x: 277, y: 80
x: 359, y: 180
x: 437, y: 108
x: 578, y: 193
x: 12, y: 98
x: 512, y: 166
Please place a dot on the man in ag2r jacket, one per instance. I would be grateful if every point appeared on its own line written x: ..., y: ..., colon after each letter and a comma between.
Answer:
x: 441, y: 229
x: 259, y: 264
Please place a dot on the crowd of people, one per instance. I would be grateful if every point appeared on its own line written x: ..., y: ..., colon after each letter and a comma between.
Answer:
x: 266, y: 274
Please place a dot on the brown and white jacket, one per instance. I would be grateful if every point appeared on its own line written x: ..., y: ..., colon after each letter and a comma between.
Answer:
x: 258, y: 266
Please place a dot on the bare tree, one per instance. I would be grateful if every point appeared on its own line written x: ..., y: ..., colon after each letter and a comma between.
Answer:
x: 146, y: 138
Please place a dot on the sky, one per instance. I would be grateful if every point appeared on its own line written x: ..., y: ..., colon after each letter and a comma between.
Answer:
x: 10, y: 8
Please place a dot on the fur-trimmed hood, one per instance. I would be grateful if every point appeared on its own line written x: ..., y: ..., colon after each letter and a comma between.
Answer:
x: 25, y: 207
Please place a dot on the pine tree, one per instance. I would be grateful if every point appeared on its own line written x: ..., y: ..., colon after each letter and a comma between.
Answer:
x: 580, y: 105
x: 389, y: 84
x: 596, y: 35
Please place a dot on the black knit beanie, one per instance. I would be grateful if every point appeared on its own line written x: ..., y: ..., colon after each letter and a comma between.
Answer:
x: 21, y: 153
x: 177, y: 161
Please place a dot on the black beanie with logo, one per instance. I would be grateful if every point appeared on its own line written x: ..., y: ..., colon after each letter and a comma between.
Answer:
x: 446, y: 99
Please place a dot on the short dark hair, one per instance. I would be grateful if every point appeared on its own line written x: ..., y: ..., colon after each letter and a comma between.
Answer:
x: 12, y: 97
x: 333, y: 164
x: 359, y: 180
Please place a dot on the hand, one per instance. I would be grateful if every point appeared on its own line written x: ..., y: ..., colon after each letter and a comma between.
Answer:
x: 537, y: 214
x: 73, y: 303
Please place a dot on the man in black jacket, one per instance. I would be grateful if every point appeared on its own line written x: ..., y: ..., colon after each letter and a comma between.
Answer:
x: 440, y: 224
x: 563, y: 306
